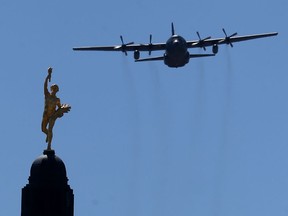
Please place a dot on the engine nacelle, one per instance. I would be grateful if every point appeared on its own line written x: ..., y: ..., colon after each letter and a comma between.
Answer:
x: 215, y: 49
x: 136, y: 54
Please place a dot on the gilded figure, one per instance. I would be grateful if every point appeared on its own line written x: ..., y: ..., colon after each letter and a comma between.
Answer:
x: 53, y: 109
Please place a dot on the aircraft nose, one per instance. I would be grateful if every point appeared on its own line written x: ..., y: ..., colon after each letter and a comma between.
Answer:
x: 176, y: 43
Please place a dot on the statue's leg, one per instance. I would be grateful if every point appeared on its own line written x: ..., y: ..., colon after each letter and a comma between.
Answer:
x: 44, y: 124
x: 50, y: 132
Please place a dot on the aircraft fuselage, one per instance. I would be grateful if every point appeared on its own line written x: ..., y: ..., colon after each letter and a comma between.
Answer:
x: 176, y: 54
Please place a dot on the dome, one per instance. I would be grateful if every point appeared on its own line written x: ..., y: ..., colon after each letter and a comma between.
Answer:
x: 48, y: 169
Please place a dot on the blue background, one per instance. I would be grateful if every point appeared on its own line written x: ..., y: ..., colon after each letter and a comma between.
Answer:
x: 144, y: 139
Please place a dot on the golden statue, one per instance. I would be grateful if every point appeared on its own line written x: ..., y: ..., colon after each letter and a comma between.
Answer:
x: 53, y: 109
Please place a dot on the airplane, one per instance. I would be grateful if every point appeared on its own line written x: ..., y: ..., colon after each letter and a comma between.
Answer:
x: 176, y: 48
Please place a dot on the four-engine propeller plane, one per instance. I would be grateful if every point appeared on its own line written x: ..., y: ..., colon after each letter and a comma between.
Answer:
x: 176, y: 48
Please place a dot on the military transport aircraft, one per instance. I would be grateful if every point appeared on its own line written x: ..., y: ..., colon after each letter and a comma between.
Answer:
x: 176, y: 48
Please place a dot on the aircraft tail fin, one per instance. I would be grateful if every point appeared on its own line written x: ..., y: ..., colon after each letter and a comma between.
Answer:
x: 172, y: 29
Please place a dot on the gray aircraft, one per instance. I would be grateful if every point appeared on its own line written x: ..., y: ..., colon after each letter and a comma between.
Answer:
x: 176, y: 48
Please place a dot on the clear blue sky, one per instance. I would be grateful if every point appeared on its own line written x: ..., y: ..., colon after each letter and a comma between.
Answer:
x: 143, y: 139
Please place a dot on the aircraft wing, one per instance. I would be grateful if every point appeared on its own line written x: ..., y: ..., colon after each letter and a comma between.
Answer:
x: 95, y: 48
x: 227, y: 40
x: 124, y: 47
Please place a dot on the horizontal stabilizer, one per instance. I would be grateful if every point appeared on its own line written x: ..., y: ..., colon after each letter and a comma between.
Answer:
x: 200, y: 55
x: 150, y: 59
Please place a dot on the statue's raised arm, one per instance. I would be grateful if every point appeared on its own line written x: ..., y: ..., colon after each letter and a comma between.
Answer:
x: 53, y: 109
x: 48, y: 78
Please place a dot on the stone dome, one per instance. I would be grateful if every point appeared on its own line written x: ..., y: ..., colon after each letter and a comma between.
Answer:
x: 48, y: 169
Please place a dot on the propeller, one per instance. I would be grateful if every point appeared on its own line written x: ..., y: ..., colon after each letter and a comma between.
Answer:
x: 201, y: 41
x: 227, y: 38
x: 124, y: 45
x: 150, y: 44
